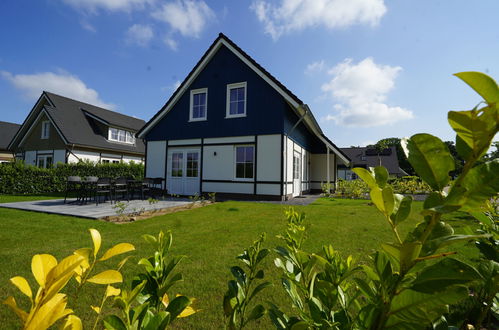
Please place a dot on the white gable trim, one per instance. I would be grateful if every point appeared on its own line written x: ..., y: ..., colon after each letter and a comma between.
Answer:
x: 31, y: 115
x: 203, y: 64
x: 36, y: 121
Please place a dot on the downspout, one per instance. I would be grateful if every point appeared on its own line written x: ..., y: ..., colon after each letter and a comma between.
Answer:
x: 303, y: 106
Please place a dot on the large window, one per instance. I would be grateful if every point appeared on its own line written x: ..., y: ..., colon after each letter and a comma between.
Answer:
x: 236, y: 100
x: 192, y: 164
x: 120, y: 135
x: 177, y: 164
x: 199, y: 104
x: 44, y: 161
x: 245, y: 164
x: 45, y: 129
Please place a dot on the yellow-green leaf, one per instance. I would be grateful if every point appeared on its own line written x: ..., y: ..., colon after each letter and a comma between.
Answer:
x: 112, y: 291
x: 84, y: 252
x: 482, y: 84
x: 107, y: 277
x: 22, y: 285
x: 41, y: 265
x: 49, y: 313
x: 96, y: 309
x: 188, y: 311
x: 11, y: 302
x: 72, y: 322
x: 123, y: 262
x: 117, y: 249
x: 96, y: 239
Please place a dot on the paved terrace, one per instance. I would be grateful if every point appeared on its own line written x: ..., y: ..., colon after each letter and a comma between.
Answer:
x: 90, y: 210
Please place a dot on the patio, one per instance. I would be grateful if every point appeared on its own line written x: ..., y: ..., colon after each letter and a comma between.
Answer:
x: 90, y: 210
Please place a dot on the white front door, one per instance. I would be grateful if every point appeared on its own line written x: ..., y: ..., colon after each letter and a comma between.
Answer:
x: 183, y: 171
x: 296, y: 174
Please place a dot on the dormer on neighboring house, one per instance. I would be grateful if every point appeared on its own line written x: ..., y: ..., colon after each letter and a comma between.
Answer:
x: 60, y: 129
x: 232, y: 128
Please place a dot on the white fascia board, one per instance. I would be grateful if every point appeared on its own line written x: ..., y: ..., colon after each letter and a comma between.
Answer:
x: 31, y: 114
x: 36, y: 121
x: 203, y: 64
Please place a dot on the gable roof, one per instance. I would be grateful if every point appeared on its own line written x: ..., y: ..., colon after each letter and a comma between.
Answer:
x: 7, y: 132
x: 368, y: 157
x: 296, y: 104
x: 71, y: 119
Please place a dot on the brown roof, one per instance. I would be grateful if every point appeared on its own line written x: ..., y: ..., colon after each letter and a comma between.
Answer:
x: 368, y: 157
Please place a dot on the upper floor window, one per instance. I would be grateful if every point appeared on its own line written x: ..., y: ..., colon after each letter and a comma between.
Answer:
x: 199, y: 104
x: 45, y: 129
x: 236, y: 100
x: 120, y: 135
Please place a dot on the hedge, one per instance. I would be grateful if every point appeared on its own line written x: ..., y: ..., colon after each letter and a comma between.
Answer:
x: 16, y: 178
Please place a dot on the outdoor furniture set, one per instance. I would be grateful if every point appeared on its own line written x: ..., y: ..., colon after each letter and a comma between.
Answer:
x: 92, y: 187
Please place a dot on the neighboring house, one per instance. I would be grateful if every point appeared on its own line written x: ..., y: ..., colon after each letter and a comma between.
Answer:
x: 232, y: 128
x: 368, y: 157
x: 60, y: 129
x: 7, y: 132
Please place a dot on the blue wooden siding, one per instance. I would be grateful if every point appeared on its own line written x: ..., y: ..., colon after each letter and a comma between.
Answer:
x: 264, y: 106
x: 301, y: 134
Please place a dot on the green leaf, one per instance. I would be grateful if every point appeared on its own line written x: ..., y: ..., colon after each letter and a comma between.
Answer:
x: 381, y: 176
x: 177, y: 305
x: 259, y: 288
x: 293, y: 294
x: 113, y: 322
x: 257, y: 312
x: 482, y: 84
x: 462, y: 148
x: 446, y: 272
x: 476, y: 128
x: 408, y: 254
x: 239, y: 274
x: 366, y: 176
x: 412, y: 307
x: 301, y: 325
x: 402, y: 209
x: 481, y: 183
x: 430, y: 158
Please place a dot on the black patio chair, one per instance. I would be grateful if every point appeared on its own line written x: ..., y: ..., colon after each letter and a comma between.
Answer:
x: 145, y: 187
x: 157, y: 186
x: 121, y: 186
x: 73, y: 185
x: 103, y: 187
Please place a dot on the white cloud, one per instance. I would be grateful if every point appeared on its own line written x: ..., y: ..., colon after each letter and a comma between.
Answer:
x: 111, y: 5
x: 171, y: 43
x: 188, y: 17
x: 361, y: 90
x: 139, y: 35
x: 296, y: 15
x: 87, y: 26
x: 62, y: 83
x: 317, y: 66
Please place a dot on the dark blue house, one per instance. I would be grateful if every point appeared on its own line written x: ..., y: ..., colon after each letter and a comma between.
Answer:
x: 232, y: 128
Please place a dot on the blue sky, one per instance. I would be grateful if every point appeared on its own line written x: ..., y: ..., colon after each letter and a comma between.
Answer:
x: 368, y: 69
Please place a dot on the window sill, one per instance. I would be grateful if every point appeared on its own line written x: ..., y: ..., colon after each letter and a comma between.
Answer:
x: 235, y: 116
x: 196, y: 119
x: 244, y: 179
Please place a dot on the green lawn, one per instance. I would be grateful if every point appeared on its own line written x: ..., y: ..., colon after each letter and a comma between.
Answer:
x: 210, y: 237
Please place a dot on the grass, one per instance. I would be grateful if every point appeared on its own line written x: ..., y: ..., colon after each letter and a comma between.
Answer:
x: 211, y: 237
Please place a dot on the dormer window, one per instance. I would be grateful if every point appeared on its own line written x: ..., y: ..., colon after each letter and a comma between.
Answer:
x: 199, y: 104
x: 45, y: 129
x: 120, y: 135
x: 236, y: 100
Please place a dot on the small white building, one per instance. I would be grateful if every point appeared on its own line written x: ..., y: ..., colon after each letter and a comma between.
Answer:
x: 60, y: 129
x: 234, y: 129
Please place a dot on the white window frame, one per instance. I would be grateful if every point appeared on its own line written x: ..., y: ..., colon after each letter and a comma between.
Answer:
x: 235, y: 163
x: 232, y: 86
x: 191, y: 106
x: 44, y: 157
x: 120, y: 132
x: 45, y: 129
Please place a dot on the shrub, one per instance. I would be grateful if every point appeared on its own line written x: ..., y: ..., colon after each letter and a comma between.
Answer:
x: 16, y: 178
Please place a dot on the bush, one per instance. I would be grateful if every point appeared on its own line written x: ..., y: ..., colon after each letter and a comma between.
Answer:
x: 351, y: 189
x: 16, y: 178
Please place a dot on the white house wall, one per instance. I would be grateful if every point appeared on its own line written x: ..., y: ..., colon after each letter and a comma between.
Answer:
x: 156, y: 156
x: 268, y: 158
x: 318, y: 168
x: 235, y: 188
x: 85, y: 156
x: 30, y: 158
x: 219, y: 166
x: 59, y: 156
x: 268, y: 189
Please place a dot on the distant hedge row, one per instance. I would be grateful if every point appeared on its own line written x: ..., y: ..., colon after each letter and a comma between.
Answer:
x: 16, y: 178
